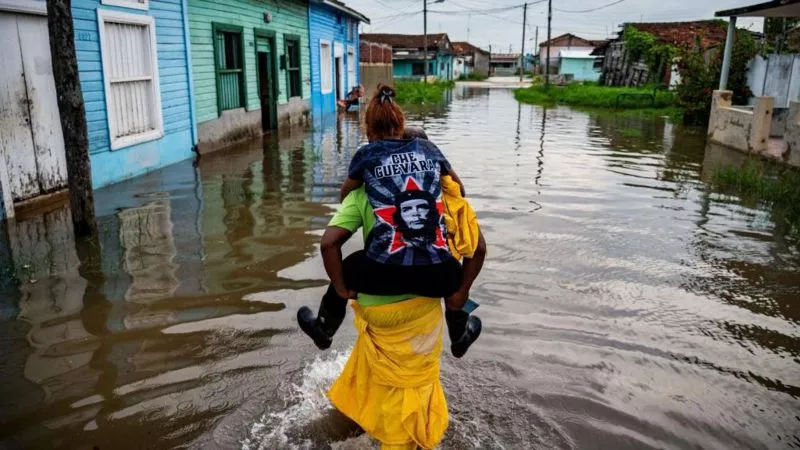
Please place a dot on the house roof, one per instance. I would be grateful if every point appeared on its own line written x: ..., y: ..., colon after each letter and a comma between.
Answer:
x: 498, y: 57
x: 683, y: 34
x: 405, y: 40
x: 575, y: 54
x: 340, y: 6
x: 462, y: 47
x: 589, y: 43
x: 775, y: 8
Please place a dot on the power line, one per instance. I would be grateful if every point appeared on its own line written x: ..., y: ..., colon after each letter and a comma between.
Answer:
x: 590, y: 9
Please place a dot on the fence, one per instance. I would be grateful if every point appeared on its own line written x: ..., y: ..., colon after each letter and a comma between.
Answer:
x: 777, y: 76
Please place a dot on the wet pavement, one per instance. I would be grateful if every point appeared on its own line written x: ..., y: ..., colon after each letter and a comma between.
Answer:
x: 625, y: 304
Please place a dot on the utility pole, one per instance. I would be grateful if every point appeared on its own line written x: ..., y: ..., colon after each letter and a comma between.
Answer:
x: 536, y: 48
x: 425, y: 39
x: 73, y: 116
x: 549, y: 30
x: 522, y: 54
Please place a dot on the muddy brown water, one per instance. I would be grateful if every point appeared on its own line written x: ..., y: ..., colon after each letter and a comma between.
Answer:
x: 625, y: 304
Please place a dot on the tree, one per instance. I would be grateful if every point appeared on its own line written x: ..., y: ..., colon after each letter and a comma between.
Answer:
x: 73, y: 116
x: 776, y: 32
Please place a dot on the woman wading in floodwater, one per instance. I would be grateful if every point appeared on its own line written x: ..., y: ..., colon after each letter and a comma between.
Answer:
x: 402, y: 194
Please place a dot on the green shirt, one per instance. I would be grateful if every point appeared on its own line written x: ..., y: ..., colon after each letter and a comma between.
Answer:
x: 354, y: 213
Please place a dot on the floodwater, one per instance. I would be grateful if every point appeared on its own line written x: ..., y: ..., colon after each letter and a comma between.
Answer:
x: 625, y: 305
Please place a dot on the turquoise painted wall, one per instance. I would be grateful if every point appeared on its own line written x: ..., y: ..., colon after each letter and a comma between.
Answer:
x: 583, y: 68
x: 403, y: 69
x: 288, y: 17
x: 176, y: 144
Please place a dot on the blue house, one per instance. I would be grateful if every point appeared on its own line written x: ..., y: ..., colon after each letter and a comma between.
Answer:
x: 133, y: 59
x: 333, y: 37
x: 133, y: 62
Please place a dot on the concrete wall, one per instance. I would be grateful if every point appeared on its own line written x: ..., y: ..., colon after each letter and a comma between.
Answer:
x: 173, y: 70
x: 791, y: 139
x: 742, y: 129
x: 288, y: 18
x: 374, y: 73
x: 480, y: 64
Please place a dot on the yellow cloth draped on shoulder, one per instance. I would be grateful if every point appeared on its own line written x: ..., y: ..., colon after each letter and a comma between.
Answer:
x: 390, y: 385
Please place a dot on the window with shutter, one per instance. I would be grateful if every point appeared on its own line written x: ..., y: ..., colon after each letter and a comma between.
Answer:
x: 229, y: 66
x: 325, y: 67
x: 130, y: 74
x: 293, y: 74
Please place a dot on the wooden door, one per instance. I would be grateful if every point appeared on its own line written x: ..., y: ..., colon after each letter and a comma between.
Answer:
x: 267, y: 88
x: 31, y: 143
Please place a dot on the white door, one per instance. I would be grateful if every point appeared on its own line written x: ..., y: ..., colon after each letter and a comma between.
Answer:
x: 31, y: 143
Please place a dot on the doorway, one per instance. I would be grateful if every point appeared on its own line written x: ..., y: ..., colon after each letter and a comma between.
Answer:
x: 338, y: 80
x: 267, y: 80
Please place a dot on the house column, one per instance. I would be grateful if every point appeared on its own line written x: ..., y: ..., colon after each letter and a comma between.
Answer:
x: 726, y: 61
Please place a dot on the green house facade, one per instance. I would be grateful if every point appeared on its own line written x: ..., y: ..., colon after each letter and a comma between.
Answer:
x: 250, y: 68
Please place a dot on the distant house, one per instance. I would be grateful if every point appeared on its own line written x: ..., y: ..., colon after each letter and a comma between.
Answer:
x: 472, y: 60
x: 250, y: 66
x: 566, y: 41
x: 504, y: 64
x: 619, y: 70
x: 579, y: 63
x: 408, y: 54
x: 333, y: 34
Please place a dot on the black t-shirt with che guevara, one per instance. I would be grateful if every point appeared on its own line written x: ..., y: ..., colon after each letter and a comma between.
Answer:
x: 402, y: 180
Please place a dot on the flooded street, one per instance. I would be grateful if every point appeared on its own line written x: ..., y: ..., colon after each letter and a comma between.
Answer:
x: 625, y: 305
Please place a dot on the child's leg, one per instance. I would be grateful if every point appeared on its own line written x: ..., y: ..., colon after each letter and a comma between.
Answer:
x: 442, y: 280
x: 321, y: 328
x: 332, y: 308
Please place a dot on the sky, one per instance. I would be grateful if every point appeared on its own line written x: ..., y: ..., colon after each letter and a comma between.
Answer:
x: 503, y: 29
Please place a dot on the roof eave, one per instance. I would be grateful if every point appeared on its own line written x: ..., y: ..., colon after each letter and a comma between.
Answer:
x: 774, y: 8
x: 345, y: 9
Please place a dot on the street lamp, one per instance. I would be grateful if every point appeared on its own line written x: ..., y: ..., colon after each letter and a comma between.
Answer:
x: 425, y: 30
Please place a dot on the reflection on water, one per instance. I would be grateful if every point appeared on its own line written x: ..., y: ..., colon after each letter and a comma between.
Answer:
x: 626, y: 304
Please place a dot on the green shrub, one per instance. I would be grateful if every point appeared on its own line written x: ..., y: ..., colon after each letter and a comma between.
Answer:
x: 700, y: 69
x: 767, y: 185
x: 411, y: 92
x: 594, y: 96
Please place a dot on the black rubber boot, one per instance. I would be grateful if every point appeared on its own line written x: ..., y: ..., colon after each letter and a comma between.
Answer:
x: 321, y: 329
x: 464, y: 329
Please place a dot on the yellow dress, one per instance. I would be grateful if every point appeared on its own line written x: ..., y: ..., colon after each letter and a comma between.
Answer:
x: 391, y: 385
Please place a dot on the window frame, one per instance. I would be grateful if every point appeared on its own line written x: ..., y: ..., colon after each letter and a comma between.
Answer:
x: 298, y: 41
x: 106, y: 15
x: 329, y: 44
x: 217, y: 27
x: 128, y: 4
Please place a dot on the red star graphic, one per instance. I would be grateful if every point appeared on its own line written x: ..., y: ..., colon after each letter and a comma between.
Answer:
x: 386, y: 214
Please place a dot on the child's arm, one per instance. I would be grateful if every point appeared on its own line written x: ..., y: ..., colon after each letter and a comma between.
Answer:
x: 349, y: 186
